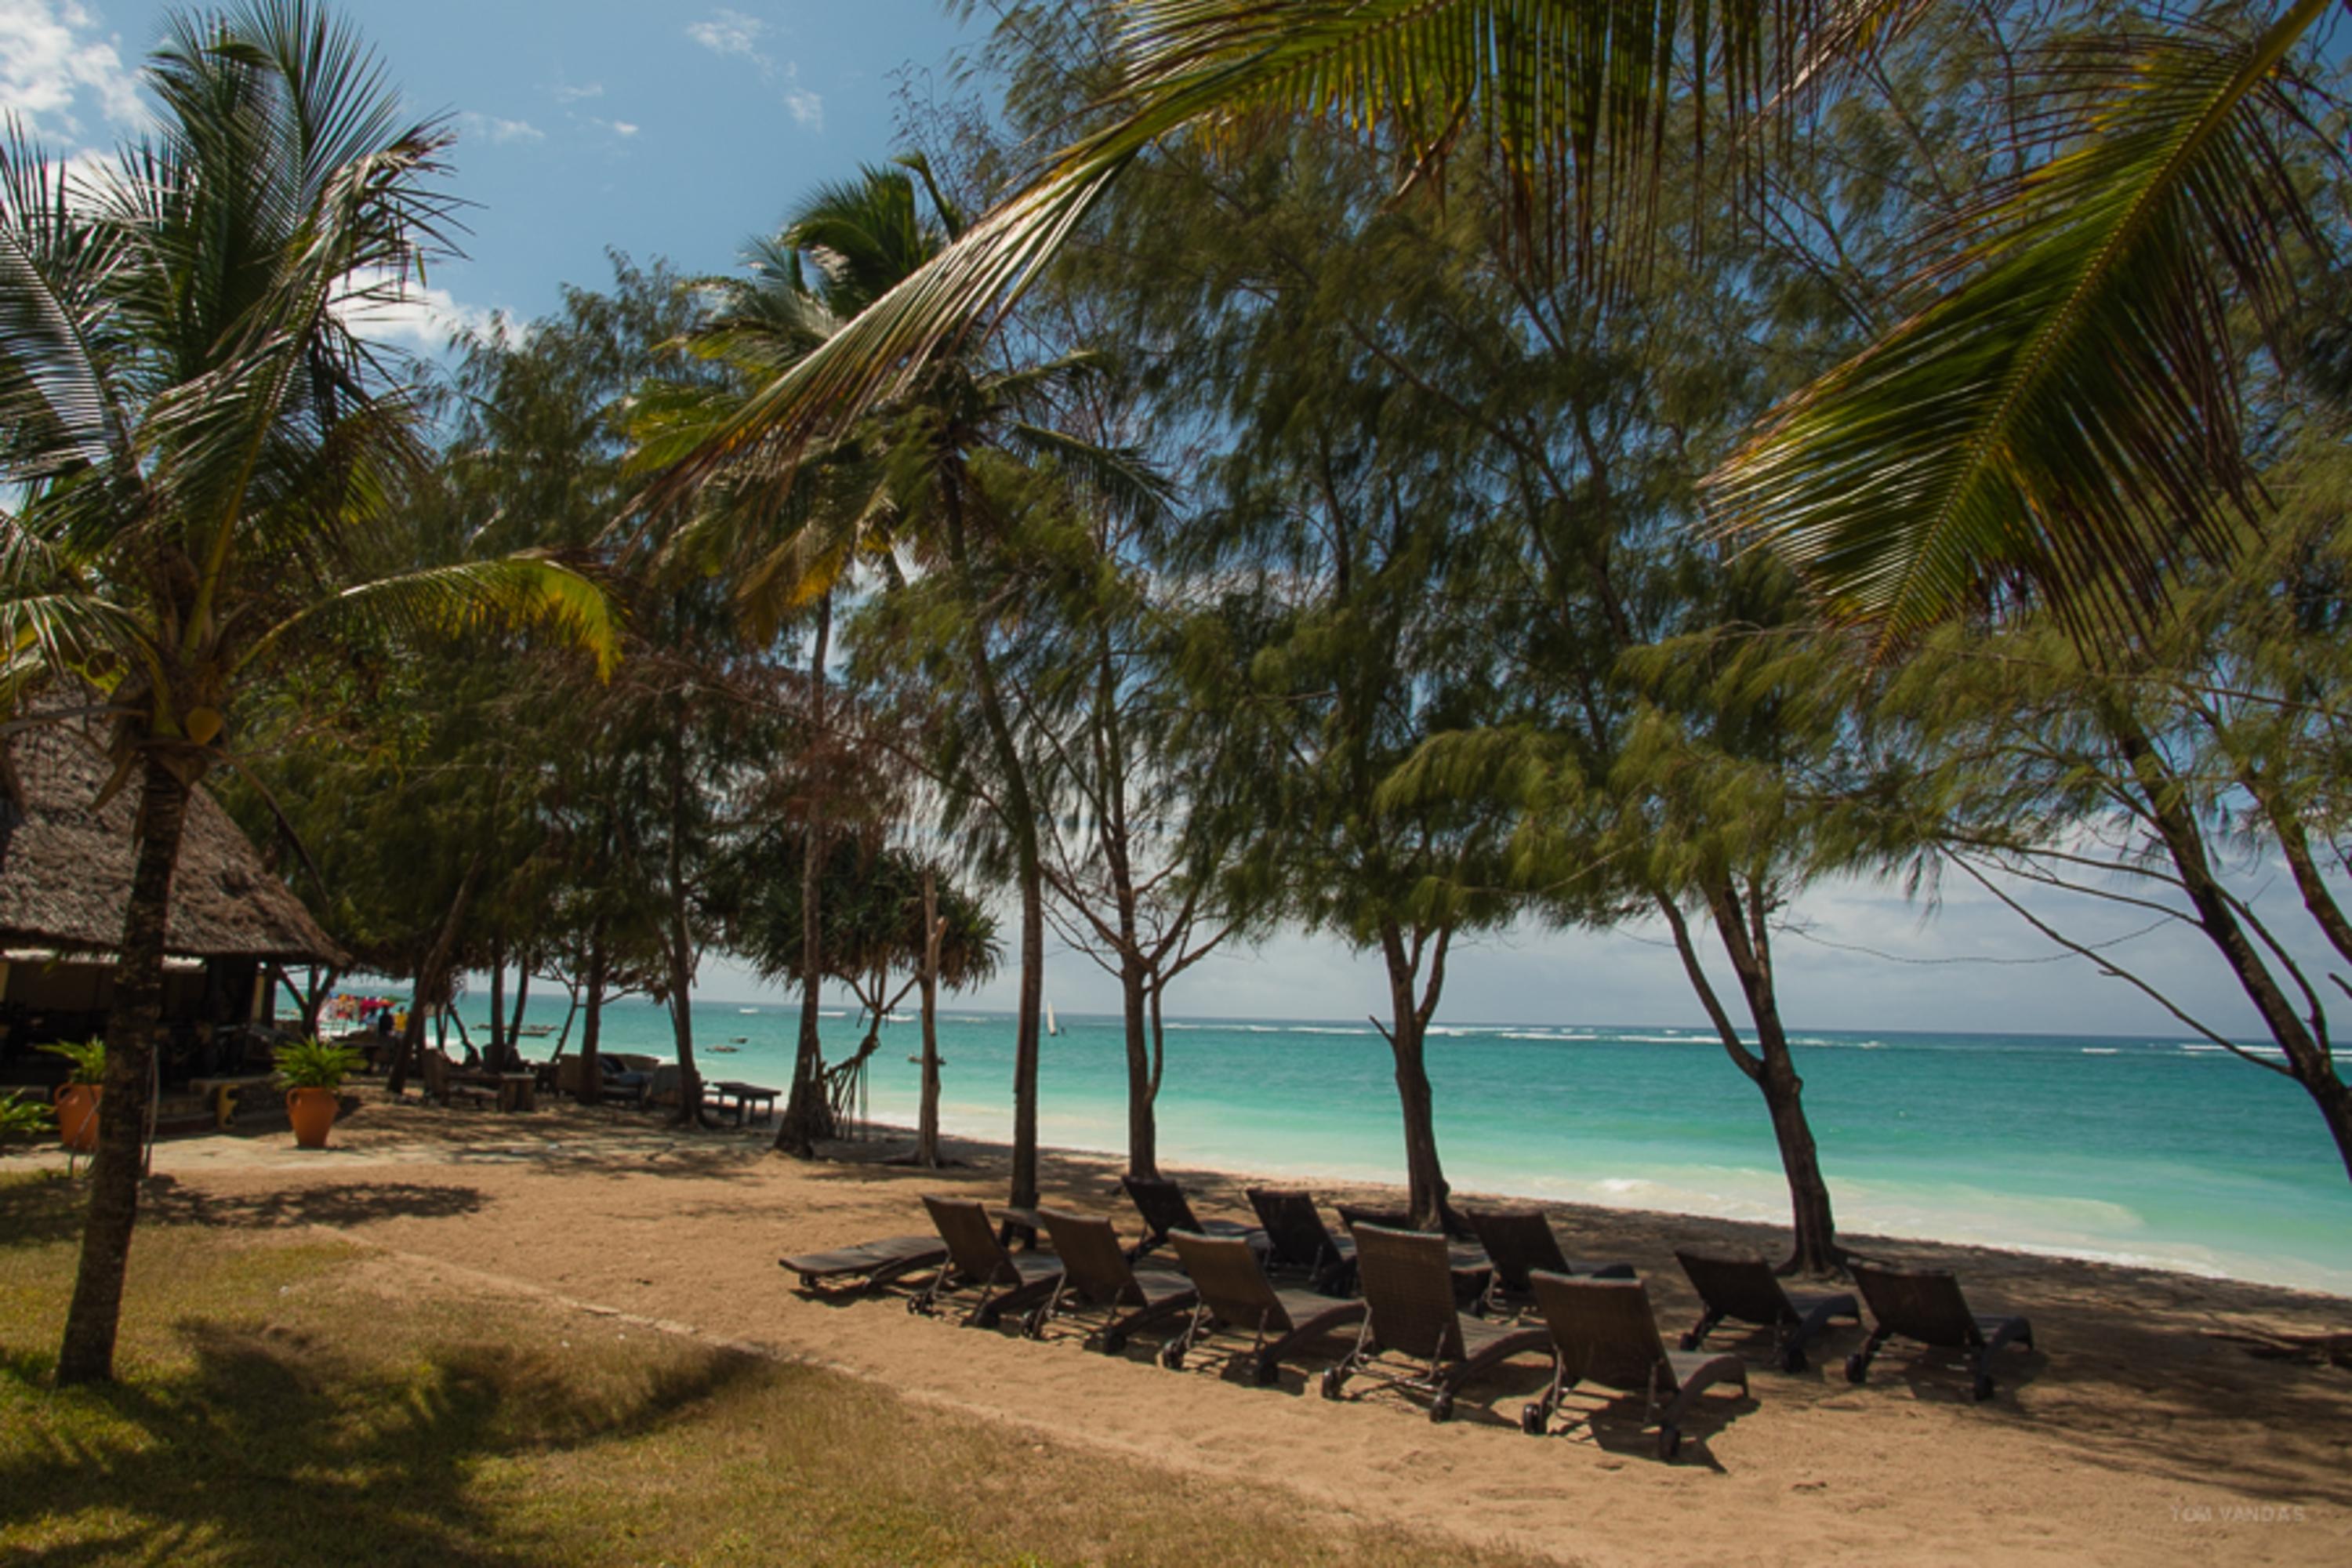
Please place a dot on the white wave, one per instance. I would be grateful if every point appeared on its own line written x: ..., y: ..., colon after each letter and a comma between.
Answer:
x: 2100, y: 1051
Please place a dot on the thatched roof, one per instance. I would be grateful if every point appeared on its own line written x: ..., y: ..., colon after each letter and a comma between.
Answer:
x: 65, y: 870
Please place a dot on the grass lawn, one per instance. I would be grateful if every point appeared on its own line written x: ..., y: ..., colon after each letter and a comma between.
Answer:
x: 299, y: 1402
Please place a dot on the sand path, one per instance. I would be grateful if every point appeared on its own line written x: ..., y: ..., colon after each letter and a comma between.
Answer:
x: 2133, y: 1436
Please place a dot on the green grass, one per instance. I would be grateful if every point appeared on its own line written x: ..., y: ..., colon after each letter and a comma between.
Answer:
x: 291, y: 1403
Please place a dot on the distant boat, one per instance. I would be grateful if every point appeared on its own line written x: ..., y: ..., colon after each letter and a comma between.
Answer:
x: 740, y: 1039
x: 722, y: 1050
x: 747, y: 1010
x: 1052, y: 1027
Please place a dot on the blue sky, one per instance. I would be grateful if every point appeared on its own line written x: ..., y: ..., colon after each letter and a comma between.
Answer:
x: 656, y: 130
x: 680, y: 132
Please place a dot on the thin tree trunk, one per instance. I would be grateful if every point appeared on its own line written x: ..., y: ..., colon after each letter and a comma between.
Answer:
x: 808, y: 1115
x: 592, y: 1027
x: 431, y: 978
x: 133, y: 1016
x: 317, y: 1003
x: 522, y: 998
x: 927, y: 1116
x: 1407, y: 1031
x: 1747, y: 938
x: 681, y: 946
x: 2310, y: 1061
x: 497, y: 1059
x: 1142, y: 1128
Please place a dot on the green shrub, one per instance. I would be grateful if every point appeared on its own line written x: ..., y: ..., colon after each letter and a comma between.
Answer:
x: 88, y: 1059
x: 314, y: 1064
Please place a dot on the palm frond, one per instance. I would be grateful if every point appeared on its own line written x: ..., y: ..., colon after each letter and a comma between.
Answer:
x: 1569, y: 96
x: 527, y: 593
x: 2064, y: 417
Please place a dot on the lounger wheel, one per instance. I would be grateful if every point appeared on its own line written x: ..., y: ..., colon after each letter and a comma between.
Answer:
x: 1670, y: 1442
x: 1856, y: 1369
x: 1982, y: 1390
x: 1032, y: 1327
x: 1531, y: 1420
x: 1792, y: 1359
x: 1172, y: 1356
x: 1112, y: 1344
x: 1333, y: 1381
x: 1690, y: 1341
x: 1265, y: 1373
x: 1442, y: 1407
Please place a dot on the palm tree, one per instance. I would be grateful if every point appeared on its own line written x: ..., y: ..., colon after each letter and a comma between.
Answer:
x: 2062, y: 415
x: 902, y: 474
x: 194, y: 430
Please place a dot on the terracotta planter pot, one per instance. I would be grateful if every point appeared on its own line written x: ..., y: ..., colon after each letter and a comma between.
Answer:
x: 77, y: 1116
x: 312, y: 1111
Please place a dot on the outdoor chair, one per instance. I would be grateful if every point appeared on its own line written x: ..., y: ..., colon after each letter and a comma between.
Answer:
x: 1925, y: 1305
x: 1236, y: 1295
x: 1097, y: 1279
x: 1408, y: 1278
x: 869, y: 1266
x: 1298, y: 1239
x: 1517, y: 1242
x: 1165, y: 1208
x: 1746, y: 1290
x: 1603, y: 1332
x: 976, y: 1261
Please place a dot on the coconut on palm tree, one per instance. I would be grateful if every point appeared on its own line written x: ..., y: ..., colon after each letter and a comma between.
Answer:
x: 196, y: 435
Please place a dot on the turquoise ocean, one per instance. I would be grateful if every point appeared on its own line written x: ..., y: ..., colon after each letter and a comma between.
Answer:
x: 2147, y: 1151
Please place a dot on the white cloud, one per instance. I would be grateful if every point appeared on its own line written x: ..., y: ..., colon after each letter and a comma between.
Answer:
x: 490, y: 128
x: 726, y: 32
x: 805, y: 107
x: 385, y: 311
x: 569, y: 94
x: 55, y: 66
x: 619, y: 127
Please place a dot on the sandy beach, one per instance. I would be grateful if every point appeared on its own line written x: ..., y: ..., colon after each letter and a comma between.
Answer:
x: 2135, y: 1433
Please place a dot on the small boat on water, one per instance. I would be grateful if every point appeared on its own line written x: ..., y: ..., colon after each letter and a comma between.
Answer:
x: 1052, y: 1027
x: 722, y: 1050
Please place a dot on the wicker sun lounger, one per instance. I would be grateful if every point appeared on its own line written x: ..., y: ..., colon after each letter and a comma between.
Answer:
x: 1473, y: 1270
x: 1407, y: 1279
x: 1603, y: 1332
x: 1925, y: 1305
x: 1097, y: 1279
x: 1165, y: 1208
x: 1299, y: 1239
x: 871, y: 1265
x: 1521, y: 1241
x: 1746, y: 1290
x: 1234, y: 1294
x: 977, y: 1261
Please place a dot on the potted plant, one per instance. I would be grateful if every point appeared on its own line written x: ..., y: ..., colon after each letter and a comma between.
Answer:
x: 312, y: 1070
x: 77, y: 1096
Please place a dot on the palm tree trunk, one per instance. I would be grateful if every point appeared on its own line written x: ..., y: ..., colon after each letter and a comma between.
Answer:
x: 1021, y: 822
x: 592, y: 1027
x: 807, y: 1113
x: 132, y: 1019
x: 927, y: 1116
x: 497, y: 1059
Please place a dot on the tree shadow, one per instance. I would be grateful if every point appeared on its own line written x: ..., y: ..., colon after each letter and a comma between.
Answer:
x: 273, y: 1446
x: 358, y: 1202
x: 44, y: 1208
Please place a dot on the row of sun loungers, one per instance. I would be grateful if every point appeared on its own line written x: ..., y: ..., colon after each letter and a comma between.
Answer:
x: 1407, y: 1330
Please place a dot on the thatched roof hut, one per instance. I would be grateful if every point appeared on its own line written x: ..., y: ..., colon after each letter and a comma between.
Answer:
x: 65, y: 869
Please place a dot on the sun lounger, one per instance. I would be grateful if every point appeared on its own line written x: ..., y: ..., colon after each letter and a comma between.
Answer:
x: 1235, y: 1294
x: 1473, y: 1270
x: 1165, y: 1208
x: 1746, y: 1290
x: 871, y: 1265
x: 1298, y: 1239
x: 1517, y: 1242
x: 1925, y: 1305
x: 1603, y: 1332
x: 1408, y: 1281
x: 1005, y: 1282
x: 1096, y: 1275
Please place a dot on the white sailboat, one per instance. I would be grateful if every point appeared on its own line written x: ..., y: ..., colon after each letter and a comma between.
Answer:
x: 1052, y: 1027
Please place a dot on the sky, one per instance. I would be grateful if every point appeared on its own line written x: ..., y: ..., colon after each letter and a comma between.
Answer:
x: 681, y: 131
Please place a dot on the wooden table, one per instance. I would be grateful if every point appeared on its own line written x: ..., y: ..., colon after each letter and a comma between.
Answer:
x: 730, y: 1097
x: 518, y: 1091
